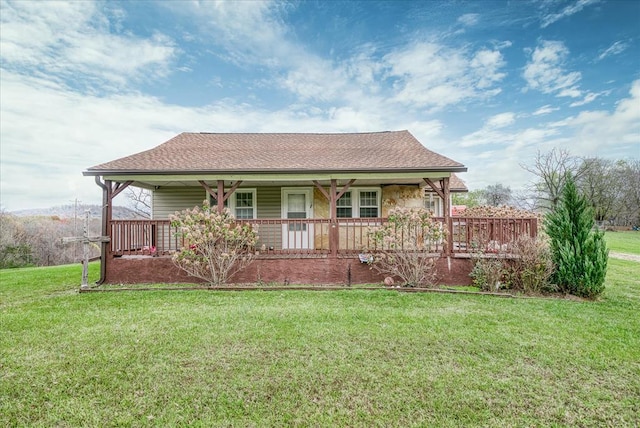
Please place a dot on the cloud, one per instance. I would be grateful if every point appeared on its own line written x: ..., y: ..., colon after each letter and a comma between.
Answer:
x: 545, y: 71
x: 546, y: 109
x: 72, y: 43
x: 615, y: 49
x: 590, y: 97
x: 609, y: 134
x: 569, y: 10
x: 469, y: 19
x: 501, y: 120
x: 434, y: 76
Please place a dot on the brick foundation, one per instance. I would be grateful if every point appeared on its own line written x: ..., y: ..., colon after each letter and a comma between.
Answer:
x: 339, y: 271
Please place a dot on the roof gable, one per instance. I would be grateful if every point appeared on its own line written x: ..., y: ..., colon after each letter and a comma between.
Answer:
x: 245, y: 152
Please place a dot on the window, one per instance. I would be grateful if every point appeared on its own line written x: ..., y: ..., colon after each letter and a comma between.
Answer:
x: 432, y: 202
x: 369, y: 204
x: 344, y: 206
x: 362, y: 203
x: 242, y: 203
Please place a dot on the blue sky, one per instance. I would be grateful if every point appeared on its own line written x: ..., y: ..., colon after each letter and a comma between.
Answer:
x: 488, y: 84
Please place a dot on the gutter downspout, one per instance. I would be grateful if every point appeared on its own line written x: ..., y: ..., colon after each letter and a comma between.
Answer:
x: 105, y: 225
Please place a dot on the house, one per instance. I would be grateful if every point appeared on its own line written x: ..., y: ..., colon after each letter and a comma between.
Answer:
x: 312, y: 196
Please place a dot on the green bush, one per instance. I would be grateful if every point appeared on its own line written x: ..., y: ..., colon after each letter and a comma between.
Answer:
x: 579, y: 251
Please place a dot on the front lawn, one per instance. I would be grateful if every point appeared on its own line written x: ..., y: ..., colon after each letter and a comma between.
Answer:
x: 301, y: 358
x: 623, y: 242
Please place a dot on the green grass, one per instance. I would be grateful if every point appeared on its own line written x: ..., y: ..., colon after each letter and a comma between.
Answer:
x: 300, y: 358
x: 623, y: 242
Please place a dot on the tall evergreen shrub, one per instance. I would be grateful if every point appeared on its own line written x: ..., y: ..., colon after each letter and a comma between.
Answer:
x: 579, y: 252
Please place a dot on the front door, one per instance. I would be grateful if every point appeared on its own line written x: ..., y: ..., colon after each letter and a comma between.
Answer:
x: 297, y: 204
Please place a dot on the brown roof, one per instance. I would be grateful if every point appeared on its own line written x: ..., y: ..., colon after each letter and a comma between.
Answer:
x: 213, y: 152
x: 456, y: 184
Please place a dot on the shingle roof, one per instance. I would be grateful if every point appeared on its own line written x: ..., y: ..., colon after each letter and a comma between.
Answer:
x: 213, y: 152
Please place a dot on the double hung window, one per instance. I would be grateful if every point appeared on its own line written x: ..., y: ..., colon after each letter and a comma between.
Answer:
x: 359, y: 203
x: 242, y: 203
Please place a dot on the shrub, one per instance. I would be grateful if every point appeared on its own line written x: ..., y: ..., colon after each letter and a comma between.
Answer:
x: 216, y: 246
x: 579, y: 252
x: 402, y: 247
x: 531, y: 267
x: 488, y: 272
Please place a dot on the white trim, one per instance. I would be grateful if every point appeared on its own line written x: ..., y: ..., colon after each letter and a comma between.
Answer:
x: 302, y: 238
x: 355, y: 200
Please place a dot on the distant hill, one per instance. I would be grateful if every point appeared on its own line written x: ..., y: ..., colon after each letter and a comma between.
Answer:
x: 71, y: 211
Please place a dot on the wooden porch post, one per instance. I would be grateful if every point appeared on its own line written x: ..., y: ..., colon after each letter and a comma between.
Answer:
x: 334, y: 232
x: 332, y: 197
x: 220, y: 197
x: 105, y: 247
x: 447, y: 214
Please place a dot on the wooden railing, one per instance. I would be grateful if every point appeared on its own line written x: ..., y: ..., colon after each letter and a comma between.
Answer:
x: 312, y: 237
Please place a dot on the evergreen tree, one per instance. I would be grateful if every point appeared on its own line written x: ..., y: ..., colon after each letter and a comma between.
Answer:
x: 579, y: 252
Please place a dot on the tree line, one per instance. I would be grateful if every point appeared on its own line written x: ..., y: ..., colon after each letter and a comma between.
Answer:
x: 610, y: 187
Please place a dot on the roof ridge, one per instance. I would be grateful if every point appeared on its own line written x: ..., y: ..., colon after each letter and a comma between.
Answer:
x: 293, y: 133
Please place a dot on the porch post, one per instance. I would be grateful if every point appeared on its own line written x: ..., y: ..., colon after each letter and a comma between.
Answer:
x: 446, y: 193
x: 104, y: 246
x: 220, y: 197
x: 334, y: 232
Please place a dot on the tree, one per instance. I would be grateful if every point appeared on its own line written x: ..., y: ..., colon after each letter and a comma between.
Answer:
x: 216, y: 246
x: 140, y: 200
x: 551, y: 171
x: 579, y: 252
x: 497, y: 194
x: 469, y: 199
x: 402, y: 246
x: 627, y: 208
x: 597, y: 182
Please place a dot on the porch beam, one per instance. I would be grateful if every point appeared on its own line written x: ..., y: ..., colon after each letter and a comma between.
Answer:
x: 230, y: 191
x: 321, y: 189
x: 435, y: 188
x: 209, y: 190
x: 119, y: 187
x: 345, y: 188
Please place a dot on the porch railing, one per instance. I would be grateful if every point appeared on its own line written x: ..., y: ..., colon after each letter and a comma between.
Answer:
x: 311, y: 237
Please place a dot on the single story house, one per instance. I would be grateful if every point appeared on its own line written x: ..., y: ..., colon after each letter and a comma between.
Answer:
x: 312, y: 196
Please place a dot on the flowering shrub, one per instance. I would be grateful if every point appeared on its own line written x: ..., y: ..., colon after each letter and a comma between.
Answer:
x: 402, y: 246
x: 217, y: 246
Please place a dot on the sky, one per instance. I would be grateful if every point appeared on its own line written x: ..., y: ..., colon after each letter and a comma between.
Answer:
x: 488, y: 84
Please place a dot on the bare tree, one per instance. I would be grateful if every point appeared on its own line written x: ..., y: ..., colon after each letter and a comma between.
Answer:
x: 597, y: 181
x: 140, y: 201
x: 551, y: 171
x: 497, y: 194
x: 628, y: 182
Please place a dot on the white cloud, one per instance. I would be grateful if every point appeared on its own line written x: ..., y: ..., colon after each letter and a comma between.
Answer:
x: 569, y: 10
x: 590, y: 97
x: 469, y: 19
x: 434, y: 76
x: 545, y: 71
x: 72, y: 41
x: 546, y: 109
x: 615, y: 49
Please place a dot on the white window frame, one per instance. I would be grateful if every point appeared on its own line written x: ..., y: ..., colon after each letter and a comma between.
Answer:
x: 231, y: 202
x: 355, y: 200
